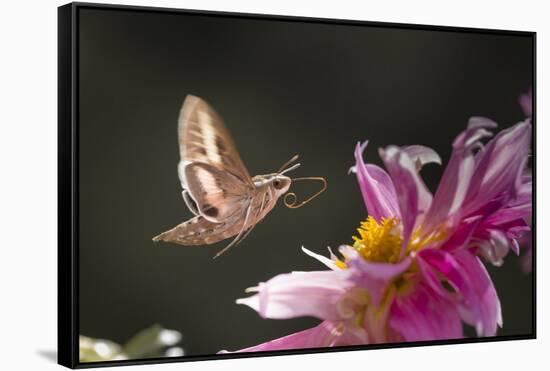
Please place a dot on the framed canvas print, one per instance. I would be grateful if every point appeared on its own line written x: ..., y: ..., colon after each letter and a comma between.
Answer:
x: 238, y: 185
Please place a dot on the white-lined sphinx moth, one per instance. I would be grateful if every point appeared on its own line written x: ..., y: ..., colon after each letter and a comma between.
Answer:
x: 217, y: 187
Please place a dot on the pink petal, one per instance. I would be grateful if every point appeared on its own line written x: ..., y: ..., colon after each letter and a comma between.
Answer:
x: 455, y: 180
x: 481, y: 307
x: 413, y: 196
x: 422, y: 315
x: 508, y: 222
x: 326, y: 334
x: 499, y: 167
x: 509, y: 214
x: 437, y: 265
x: 518, y: 208
x: 462, y: 234
x: 376, y: 187
x: 474, y: 293
x: 299, y: 294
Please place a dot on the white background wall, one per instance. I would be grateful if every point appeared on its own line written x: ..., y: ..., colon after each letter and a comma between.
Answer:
x: 28, y: 181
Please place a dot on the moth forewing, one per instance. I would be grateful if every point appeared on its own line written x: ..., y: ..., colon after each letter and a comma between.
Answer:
x: 203, y: 137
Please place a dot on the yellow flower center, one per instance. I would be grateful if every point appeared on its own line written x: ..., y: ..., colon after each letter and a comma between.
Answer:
x: 381, y: 241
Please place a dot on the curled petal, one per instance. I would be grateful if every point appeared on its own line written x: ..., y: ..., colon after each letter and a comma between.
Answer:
x: 474, y: 124
x: 299, y: 294
x: 422, y: 155
x: 376, y: 187
x: 495, y: 248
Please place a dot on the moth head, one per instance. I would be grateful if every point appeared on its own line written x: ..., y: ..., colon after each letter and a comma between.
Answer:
x: 280, y: 183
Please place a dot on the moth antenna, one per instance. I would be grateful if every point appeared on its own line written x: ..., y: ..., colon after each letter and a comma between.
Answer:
x: 290, y: 199
x: 294, y: 158
x: 295, y: 166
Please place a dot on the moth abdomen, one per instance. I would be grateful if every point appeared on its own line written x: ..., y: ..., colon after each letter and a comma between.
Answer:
x: 195, y: 231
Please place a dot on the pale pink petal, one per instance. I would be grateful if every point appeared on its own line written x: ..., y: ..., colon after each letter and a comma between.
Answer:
x: 422, y: 315
x: 326, y: 261
x: 376, y: 187
x: 477, y: 122
x: 370, y: 275
x: 326, y: 334
x: 494, y: 248
x: 413, y: 196
x: 422, y: 155
x: 515, y: 247
x: 299, y: 294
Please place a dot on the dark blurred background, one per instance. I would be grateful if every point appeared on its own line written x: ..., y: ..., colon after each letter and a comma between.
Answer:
x: 282, y: 88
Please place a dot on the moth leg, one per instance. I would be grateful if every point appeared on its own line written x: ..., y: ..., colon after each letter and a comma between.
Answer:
x: 238, y: 235
x: 262, y: 205
x: 191, y: 204
x: 247, y: 232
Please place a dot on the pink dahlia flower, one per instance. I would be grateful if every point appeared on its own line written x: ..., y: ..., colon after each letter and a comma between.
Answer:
x: 415, y: 271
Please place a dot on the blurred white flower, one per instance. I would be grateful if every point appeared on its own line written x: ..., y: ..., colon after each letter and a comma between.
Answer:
x: 154, y: 341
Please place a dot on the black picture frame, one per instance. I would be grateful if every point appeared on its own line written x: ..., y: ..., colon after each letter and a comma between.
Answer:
x: 68, y: 184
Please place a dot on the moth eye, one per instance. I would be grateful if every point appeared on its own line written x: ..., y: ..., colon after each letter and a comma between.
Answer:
x: 277, y: 184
